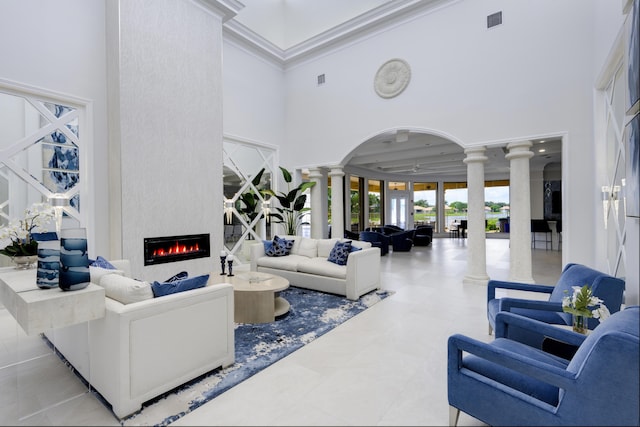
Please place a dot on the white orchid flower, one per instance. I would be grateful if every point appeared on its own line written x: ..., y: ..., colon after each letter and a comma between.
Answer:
x: 601, y: 313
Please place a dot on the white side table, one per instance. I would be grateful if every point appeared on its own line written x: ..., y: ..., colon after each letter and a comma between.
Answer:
x: 37, y: 310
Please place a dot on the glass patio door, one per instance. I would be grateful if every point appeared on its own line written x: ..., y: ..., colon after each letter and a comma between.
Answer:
x: 399, y: 208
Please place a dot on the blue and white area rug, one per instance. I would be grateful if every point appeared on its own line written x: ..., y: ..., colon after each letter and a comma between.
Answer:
x: 312, y: 314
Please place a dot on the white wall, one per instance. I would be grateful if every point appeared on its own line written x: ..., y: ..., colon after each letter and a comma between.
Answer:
x: 530, y: 76
x: 253, y: 96
x: 60, y: 46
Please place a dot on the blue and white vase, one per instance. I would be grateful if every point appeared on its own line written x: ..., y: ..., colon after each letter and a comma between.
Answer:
x: 74, y: 259
x: 48, y: 264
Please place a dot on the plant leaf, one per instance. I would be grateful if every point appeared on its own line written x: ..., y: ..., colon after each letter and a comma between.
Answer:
x: 286, y: 175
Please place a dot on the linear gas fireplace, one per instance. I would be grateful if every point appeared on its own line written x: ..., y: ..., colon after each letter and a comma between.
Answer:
x: 160, y: 250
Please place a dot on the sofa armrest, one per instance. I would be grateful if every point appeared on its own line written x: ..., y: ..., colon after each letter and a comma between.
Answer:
x: 528, y: 287
x: 505, y: 319
x: 255, y: 251
x: 363, y: 271
x: 123, y: 265
x: 141, y: 350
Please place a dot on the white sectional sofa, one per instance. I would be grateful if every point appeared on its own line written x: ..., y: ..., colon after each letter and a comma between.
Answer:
x: 142, y: 349
x: 307, y: 266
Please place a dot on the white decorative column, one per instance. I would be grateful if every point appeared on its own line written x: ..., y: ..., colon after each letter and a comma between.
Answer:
x: 317, y: 217
x: 520, y: 204
x: 337, y: 202
x: 477, y: 253
x: 441, y: 211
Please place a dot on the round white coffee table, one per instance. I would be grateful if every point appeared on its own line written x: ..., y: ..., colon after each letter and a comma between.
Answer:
x: 256, y: 297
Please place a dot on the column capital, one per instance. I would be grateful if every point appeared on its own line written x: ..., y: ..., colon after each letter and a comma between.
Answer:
x: 336, y: 171
x: 475, y: 155
x: 315, y: 173
x: 519, y: 149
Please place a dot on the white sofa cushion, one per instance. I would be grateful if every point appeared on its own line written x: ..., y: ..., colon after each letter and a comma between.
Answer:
x: 321, y: 267
x: 289, y: 262
x: 124, y: 289
x: 360, y: 244
x: 96, y: 273
x: 306, y: 247
x: 325, y: 246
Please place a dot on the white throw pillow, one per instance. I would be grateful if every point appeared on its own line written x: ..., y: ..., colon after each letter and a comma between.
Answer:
x: 96, y: 273
x: 308, y: 247
x: 325, y: 246
x: 125, y: 289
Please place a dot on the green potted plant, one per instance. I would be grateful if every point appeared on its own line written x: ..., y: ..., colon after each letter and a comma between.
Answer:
x: 251, y: 201
x: 291, y: 209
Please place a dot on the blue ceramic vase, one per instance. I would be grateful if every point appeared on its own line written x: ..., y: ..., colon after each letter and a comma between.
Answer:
x: 74, y: 259
x: 48, y: 264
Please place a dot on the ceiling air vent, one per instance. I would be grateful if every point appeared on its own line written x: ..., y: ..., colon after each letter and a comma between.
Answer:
x: 320, y: 79
x: 494, y: 19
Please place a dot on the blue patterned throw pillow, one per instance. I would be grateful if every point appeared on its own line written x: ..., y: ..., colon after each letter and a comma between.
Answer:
x: 179, y: 276
x: 340, y: 253
x: 102, y: 263
x: 279, y: 247
x: 162, y: 289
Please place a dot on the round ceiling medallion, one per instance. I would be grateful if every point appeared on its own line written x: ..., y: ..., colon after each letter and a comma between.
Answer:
x: 392, y: 78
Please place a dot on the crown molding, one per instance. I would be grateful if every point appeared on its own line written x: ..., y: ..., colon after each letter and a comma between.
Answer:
x: 226, y: 9
x: 382, y: 17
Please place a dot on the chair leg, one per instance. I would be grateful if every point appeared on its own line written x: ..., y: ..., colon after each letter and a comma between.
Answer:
x: 490, y: 330
x: 454, y: 413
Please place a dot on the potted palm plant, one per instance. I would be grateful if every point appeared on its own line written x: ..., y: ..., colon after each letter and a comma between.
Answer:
x: 250, y: 200
x: 291, y: 210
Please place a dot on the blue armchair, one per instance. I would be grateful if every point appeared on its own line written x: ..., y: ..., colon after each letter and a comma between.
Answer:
x: 390, y: 229
x: 608, y: 288
x: 402, y: 241
x: 423, y: 235
x: 506, y: 382
x: 377, y: 240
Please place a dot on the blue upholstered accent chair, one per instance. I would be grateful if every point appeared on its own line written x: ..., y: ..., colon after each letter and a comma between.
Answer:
x: 348, y: 234
x: 390, y: 229
x: 506, y: 382
x: 423, y: 235
x: 608, y: 288
x: 377, y: 240
x: 402, y: 241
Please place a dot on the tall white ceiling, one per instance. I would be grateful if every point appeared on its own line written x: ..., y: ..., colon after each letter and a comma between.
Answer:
x: 287, y: 23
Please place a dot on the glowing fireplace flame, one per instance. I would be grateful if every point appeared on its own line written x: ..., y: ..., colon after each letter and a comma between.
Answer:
x: 176, y: 249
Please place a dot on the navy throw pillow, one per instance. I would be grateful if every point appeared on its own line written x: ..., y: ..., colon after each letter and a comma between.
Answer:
x: 279, y: 247
x: 162, y: 289
x: 180, y: 276
x: 340, y: 253
x: 102, y: 263
x: 46, y: 236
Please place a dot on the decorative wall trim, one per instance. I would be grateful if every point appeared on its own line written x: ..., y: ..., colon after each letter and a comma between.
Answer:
x: 392, y: 78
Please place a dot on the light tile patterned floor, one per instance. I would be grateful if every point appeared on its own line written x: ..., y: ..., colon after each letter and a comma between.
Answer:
x: 386, y: 366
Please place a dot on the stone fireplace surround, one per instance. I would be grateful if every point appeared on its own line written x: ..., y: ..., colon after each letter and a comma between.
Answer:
x: 165, y: 128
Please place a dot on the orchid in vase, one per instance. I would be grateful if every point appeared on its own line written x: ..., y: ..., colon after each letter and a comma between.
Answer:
x: 20, y: 232
x: 583, y: 305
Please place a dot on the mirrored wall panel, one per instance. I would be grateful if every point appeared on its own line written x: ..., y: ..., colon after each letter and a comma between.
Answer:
x: 248, y: 169
x: 39, y: 156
